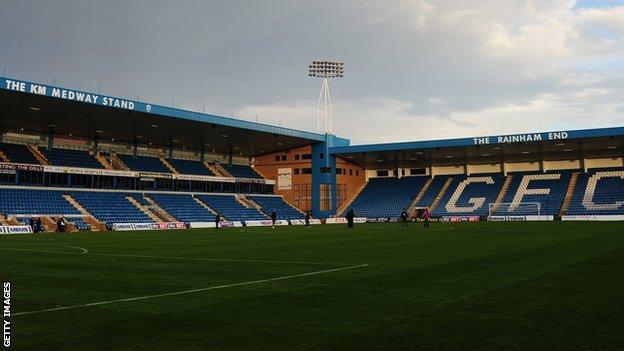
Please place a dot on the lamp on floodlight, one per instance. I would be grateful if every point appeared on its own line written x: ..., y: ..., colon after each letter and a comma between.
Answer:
x: 325, y: 70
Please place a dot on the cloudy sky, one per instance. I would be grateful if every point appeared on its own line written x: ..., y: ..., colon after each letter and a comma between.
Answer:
x: 414, y: 69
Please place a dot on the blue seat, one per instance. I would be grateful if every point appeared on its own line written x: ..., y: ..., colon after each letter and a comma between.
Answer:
x: 598, y: 192
x: 241, y: 171
x: 183, y: 207
x: 387, y: 197
x: 190, y: 167
x: 144, y: 163
x: 487, y: 188
x: 35, y: 202
x: 276, y: 203
x: 18, y: 153
x: 556, y: 184
x: 71, y: 158
x: 110, y: 207
x: 227, y: 206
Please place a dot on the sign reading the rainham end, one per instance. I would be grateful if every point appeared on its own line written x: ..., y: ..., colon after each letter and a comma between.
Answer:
x: 520, y: 138
x: 67, y: 94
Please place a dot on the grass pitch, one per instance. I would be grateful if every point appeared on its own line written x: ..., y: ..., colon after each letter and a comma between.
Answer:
x: 492, y: 286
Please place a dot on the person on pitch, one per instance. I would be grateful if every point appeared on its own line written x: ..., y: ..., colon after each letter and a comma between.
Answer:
x: 404, y: 218
x: 426, y: 216
x: 273, y: 218
x: 350, y: 217
x: 217, y: 220
x: 307, y: 219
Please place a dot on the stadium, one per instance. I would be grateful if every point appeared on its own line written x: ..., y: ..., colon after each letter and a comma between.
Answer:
x: 130, y: 225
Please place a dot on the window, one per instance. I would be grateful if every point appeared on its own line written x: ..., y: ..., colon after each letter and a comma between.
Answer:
x: 357, y: 173
x: 306, y: 171
x: 296, y: 171
x: 382, y: 173
x: 326, y: 169
x: 338, y: 170
x: 277, y: 158
x: 283, y: 157
x: 326, y: 197
x: 321, y: 155
x: 297, y: 157
x: 418, y: 171
x: 306, y: 156
x: 350, y: 172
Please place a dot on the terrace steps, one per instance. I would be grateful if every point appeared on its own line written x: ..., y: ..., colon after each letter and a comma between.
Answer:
x: 160, y: 212
x: 343, y: 207
x: 569, y: 193
x: 420, y: 194
x: 248, y: 203
x: 34, y: 150
x: 502, y: 193
x: 438, y: 198
x: 202, y: 204
x: 117, y: 163
x: 144, y: 209
x: 103, y: 161
x: 88, y: 217
x: 168, y: 165
x: 3, y: 157
x: 217, y: 169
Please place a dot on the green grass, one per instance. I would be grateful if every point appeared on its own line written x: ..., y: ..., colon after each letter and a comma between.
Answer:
x: 486, y: 286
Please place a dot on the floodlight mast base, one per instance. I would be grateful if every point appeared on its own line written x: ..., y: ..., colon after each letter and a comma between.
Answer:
x: 324, y: 109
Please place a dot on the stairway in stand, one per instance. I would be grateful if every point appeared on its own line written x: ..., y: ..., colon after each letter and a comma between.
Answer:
x: 158, y: 211
x: 569, y: 194
x: 419, y: 196
x: 168, y: 165
x: 345, y: 205
x: 438, y: 198
x: 88, y: 217
x: 501, y: 195
x: 34, y: 150
x: 144, y: 209
x: 116, y: 163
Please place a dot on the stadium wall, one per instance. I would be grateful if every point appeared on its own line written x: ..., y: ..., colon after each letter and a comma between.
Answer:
x: 298, y: 191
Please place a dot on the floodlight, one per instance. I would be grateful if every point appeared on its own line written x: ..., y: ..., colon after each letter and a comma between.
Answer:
x: 325, y: 70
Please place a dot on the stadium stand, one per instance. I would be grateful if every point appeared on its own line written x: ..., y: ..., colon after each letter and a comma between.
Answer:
x: 241, y: 171
x: 110, y: 207
x: 599, y: 192
x: 18, y: 153
x: 432, y: 192
x: 387, y: 197
x: 71, y: 158
x: 522, y: 189
x: 143, y: 163
x: 472, y: 199
x: 276, y: 203
x: 190, y: 167
x: 34, y: 202
x: 80, y: 223
x: 227, y: 206
x: 183, y: 207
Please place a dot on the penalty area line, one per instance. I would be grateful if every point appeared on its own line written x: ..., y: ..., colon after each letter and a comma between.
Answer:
x: 147, y: 297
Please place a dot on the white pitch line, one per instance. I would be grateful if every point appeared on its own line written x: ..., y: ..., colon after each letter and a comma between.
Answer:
x: 85, y: 251
x: 215, y: 259
x: 82, y: 249
x: 189, y: 291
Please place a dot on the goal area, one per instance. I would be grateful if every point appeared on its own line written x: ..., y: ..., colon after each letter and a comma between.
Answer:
x: 514, y: 209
